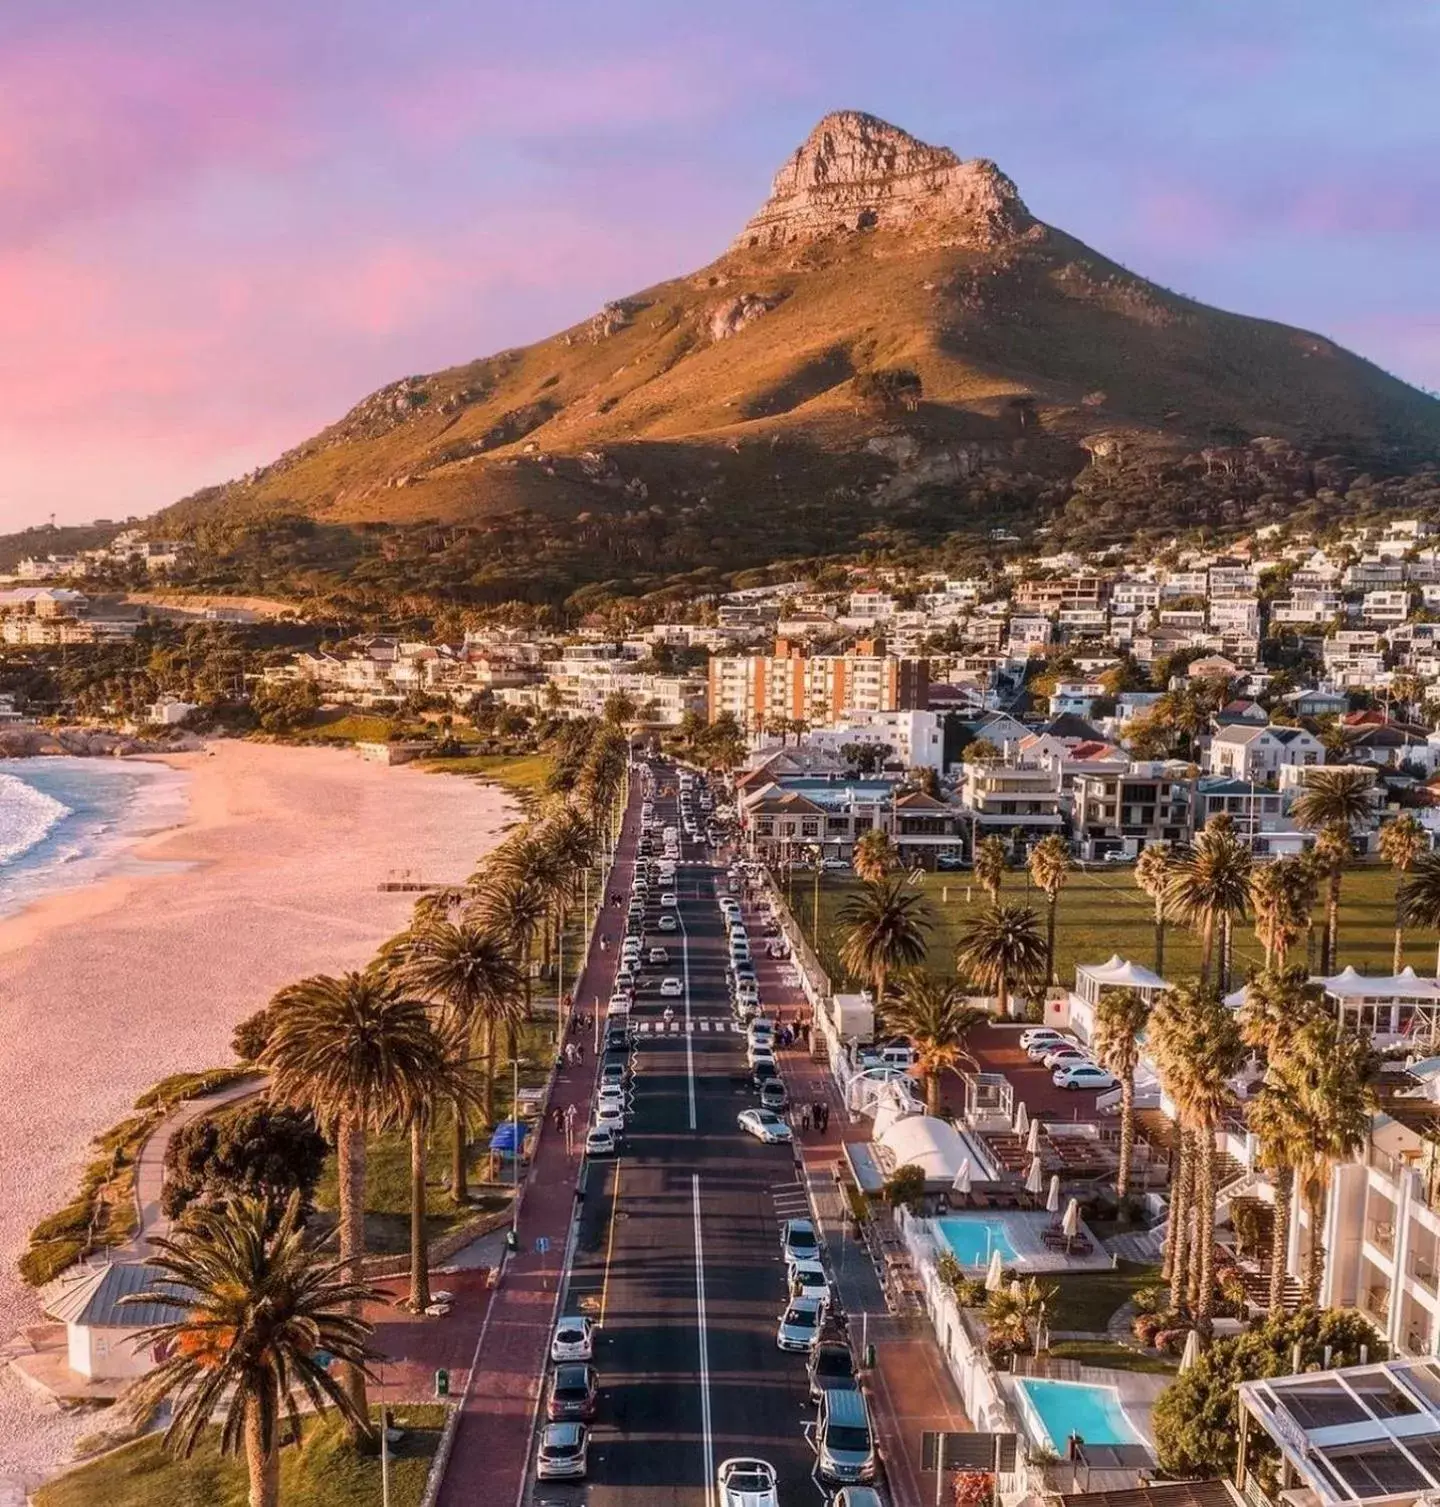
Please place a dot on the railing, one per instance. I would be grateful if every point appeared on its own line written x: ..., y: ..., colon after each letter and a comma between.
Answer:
x: 1382, y: 1237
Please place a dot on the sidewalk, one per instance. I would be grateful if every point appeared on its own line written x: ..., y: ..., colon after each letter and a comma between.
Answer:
x: 911, y: 1391
x: 492, y: 1443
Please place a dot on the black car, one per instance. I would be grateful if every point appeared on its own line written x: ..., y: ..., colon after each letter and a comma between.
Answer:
x: 831, y: 1368
x: 573, y: 1392
x: 763, y: 1073
x: 950, y: 863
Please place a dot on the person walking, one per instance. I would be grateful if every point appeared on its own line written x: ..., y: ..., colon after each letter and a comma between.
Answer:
x: 804, y: 1117
x: 824, y: 1116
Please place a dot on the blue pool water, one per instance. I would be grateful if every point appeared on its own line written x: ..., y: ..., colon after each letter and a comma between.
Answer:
x: 972, y: 1237
x: 1070, y: 1407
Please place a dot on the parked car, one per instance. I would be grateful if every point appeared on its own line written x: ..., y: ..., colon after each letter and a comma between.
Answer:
x: 798, y: 1241
x: 1032, y: 1034
x: 799, y: 1324
x: 600, y: 1141
x: 574, y: 1389
x: 564, y: 1452
x: 764, y: 1125
x: 773, y: 1095
x: 1082, y: 1075
x: 950, y: 863
x: 671, y: 988
x: 807, y: 1279
x: 844, y: 1440
x: 831, y: 1367
x: 747, y: 1483
x: 1037, y: 1051
x: 1065, y: 1054
x: 574, y: 1339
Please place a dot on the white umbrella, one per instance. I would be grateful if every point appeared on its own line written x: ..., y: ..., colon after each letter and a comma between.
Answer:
x: 995, y: 1274
x: 1191, y: 1352
x: 1052, y: 1199
x: 962, y: 1177
x: 1070, y: 1225
x: 1032, y: 1141
x: 1035, y: 1182
x: 1022, y: 1120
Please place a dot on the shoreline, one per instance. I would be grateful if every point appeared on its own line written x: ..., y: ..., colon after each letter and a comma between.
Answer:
x: 273, y: 872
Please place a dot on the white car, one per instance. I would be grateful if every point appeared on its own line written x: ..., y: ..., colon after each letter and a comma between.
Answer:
x: 600, y: 1141
x: 1036, y: 1034
x: 807, y: 1279
x: 564, y: 1452
x: 764, y: 1126
x: 747, y: 1483
x: 574, y: 1339
x: 610, y: 1115
x: 1082, y: 1075
x: 730, y: 905
x: 1066, y: 1054
x: 799, y: 1325
x: 667, y: 922
x: 611, y: 1093
x: 756, y: 1054
x: 659, y: 955
x: 668, y: 900
x: 1037, y: 1051
x: 798, y: 1241
x: 671, y: 988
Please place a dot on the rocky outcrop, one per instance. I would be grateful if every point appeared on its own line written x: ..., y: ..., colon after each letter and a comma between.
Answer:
x: 88, y: 743
x: 855, y: 173
x: 736, y: 313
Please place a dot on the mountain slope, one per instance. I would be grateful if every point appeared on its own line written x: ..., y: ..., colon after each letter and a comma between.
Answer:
x: 749, y: 388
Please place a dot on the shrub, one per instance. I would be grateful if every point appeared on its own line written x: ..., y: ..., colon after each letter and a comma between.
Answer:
x: 1151, y: 1299
x: 905, y: 1185
x: 256, y: 1150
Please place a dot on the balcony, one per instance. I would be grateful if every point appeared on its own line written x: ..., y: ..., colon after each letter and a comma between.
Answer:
x: 1376, y: 1303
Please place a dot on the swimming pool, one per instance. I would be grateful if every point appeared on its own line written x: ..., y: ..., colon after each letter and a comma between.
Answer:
x: 1057, y: 1409
x: 972, y: 1237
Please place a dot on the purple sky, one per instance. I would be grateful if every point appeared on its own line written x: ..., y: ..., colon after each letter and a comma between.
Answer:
x: 220, y: 226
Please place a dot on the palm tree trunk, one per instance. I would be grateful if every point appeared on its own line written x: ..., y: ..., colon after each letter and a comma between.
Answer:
x: 263, y: 1465
x: 1315, y: 1258
x: 350, y: 1154
x: 932, y: 1092
x: 419, y: 1246
x: 1177, y: 1246
x: 1127, y: 1138
x: 1207, y: 947
x: 1226, y: 939
x: 1332, y: 925
x: 1205, y: 1232
x: 460, y: 1146
x: 1160, y: 936
x: 487, y: 1046
x: 1284, y: 1181
x: 1050, y: 940
x: 1002, y: 995
x: 1398, y: 961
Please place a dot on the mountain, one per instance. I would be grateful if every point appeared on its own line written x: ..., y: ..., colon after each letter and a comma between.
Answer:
x: 892, y: 336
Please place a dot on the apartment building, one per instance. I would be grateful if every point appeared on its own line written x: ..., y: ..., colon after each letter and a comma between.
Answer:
x: 1080, y: 590
x: 798, y: 818
x: 999, y: 798
x: 1248, y: 752
x: 761, y: 690
x: 1117, y: 811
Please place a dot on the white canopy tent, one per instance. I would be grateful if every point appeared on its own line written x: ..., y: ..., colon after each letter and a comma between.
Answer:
x: 923, y: 1141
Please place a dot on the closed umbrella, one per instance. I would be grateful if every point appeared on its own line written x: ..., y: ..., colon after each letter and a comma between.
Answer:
x: 1070, y: 1225
x: 1032, y: 1141
x: 1052, y: 1199
x: 962, y: 1177
x: 1022, y: 1120
x: 995, y: 1274
x: 1035, y: 1182
x: 1191, y: 1352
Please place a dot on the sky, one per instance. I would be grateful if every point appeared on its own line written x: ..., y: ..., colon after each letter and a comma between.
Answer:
x: 223, y: 225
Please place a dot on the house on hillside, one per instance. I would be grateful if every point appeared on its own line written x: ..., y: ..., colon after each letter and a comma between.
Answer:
x: 1244, y: 751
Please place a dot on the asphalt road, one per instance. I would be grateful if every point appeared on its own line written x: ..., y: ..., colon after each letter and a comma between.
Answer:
x: 678, y: 1252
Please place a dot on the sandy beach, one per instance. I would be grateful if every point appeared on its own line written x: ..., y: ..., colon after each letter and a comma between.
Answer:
x: 105, y: 989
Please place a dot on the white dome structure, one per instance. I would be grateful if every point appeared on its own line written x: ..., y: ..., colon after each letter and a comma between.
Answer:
x: 923, y: 1141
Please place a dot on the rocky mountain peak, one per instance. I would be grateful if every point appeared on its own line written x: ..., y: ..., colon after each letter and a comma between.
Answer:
x: 855, y: 172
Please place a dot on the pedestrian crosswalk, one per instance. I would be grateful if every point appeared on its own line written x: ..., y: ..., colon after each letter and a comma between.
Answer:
x: 718, y: 1025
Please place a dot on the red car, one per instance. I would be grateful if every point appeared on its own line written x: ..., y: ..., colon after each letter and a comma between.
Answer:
x: 573, y: 1390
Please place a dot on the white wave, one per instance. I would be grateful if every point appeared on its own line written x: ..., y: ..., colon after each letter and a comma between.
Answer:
x: 27, y: 816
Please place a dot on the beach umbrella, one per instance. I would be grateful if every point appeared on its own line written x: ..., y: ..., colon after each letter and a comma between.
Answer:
x: 1191, y: 1352
x: 1022, y: 1120
x: 1070, y: 1224
x: 1032, y: 1141
x: 995, y: 1273
x: 1035, y: 1181
x: 1052, y: 1199
x: 962, y: 1177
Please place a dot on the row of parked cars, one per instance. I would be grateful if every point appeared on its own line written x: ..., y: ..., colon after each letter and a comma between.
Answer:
x: 1071, y: 1066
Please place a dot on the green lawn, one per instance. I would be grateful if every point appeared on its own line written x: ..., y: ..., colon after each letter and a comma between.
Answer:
x: 1113, y: 1357
x: 1089, y: 1300
x: 340, y: 726
x: 323, y: 1474
x: 525, y: 774
x: 1102, y: 912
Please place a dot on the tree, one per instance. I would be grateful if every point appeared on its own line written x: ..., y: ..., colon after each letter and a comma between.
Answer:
x: 518, y: 909
x: 620, y: 708
x: 1402, y: 842
x: 991, y: 861
x: 874, y: 855
x: 884, y: 928
x: 1419, y: 897
x: 358, y: 1053
x: 1196, y: 1422
x: 252, y: 1151
x: 1197, y: 1048
x: 1002, y: 948
x: 1152, y: 873
x: 981, y: 751
x: 933, y: 1013
x: 1017, y: 1308
x: 249, y: 1037
x: 905, y: 1186
x: 1334, y: 802
x: 1049, y: 868
x: 865, y: 757
x: 1120, y: 1017
x: 283, y: 705
x: 258, y: 1302
x: 1282, y: 896
x: 1207, y: 886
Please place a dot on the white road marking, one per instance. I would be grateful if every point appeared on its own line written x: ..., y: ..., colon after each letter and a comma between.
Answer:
x: 689, y: 1046
x: 707, y: 1433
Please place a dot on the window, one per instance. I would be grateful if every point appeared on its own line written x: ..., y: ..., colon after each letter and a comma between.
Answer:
x: 810, y: 827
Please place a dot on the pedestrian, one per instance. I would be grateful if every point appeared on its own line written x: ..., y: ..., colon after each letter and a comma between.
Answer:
x: 816, y: 1110
x: 579, y: 1052
x: 824, y: 1117
x: 557, y: 1117
x: 804, y: 1117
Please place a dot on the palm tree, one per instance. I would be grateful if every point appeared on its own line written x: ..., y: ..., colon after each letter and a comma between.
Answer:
x: 1334, y: 803
x: 1198, y: 1050
x: 259, y: 1303
x: 932, y: 1012
x: 1002, y: 947
x: 874, y: 855
x: 1049, y: 868
x: 1401, y: 843
x: 1207, y: 887
x: 1282, y: 895
x: 1277, y: 1003
x: 885, y: 924
x: 1120, y: 1017
x: 1152, y: 873
x: 359, y: 1054
x: 517, y: 910
x: 1419, y: 897
x: 1326, y: 1075
x: 1271, y: 1119
x: 991, y: 861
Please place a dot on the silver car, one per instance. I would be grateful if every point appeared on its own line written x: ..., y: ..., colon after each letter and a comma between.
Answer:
x: 564, y: 1452
x: 799, y: 1325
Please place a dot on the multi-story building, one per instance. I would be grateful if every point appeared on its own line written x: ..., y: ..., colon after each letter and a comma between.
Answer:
x: 819, y: 690
x: 1079, y: 590
x: 802, y: 818
x: 1000, y: 797
x: 1126, y: 811
x: 1247, y: 752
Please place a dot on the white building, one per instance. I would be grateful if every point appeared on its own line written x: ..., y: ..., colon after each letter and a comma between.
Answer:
x: 1259, y: 753
x: 100, y: 1330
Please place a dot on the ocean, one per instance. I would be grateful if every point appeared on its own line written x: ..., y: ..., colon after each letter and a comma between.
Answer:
x: 67, y: 822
